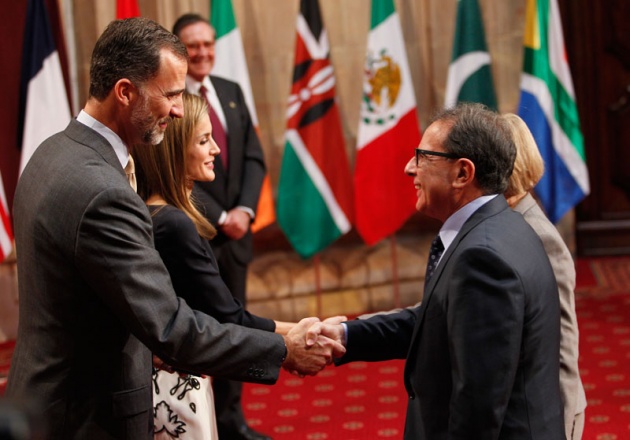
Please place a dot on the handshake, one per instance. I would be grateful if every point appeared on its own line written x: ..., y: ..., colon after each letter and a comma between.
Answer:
x: 312, y: 344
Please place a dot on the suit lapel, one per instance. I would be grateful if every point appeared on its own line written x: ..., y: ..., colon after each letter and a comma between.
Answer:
x: 491, y: 208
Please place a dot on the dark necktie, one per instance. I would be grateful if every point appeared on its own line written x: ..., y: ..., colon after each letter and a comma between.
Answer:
x: 218, y: 132
x: 434, y: 257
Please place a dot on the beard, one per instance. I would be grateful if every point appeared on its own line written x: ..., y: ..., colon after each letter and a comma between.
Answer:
x: 149, y: 127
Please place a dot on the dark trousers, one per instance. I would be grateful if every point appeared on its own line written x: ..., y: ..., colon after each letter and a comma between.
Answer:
x: 227, y: 393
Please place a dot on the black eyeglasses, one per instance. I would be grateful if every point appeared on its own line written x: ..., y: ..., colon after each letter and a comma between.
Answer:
x: 424, y: 153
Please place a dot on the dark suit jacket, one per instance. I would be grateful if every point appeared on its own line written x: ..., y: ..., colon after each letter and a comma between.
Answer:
x: 194, y: 270
x: 96, y: 299
x: 482, y: 349
x: 241, y: 185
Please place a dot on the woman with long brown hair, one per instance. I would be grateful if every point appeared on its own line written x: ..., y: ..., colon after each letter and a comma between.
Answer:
x: 165, y: 176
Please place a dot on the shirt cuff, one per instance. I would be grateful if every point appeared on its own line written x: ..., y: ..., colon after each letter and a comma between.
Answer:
x: 222, y: 218
x: 345, y: 334
x: 249, y: 211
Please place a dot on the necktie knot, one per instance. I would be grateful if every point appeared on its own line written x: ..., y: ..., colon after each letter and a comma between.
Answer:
x: 130, y: 171
x: 437, y: 247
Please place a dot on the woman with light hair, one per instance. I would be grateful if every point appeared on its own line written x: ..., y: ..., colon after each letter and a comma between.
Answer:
x: 528, y: 169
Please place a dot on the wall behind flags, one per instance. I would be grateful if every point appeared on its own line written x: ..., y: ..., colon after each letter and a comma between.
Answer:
x: 268, y: 30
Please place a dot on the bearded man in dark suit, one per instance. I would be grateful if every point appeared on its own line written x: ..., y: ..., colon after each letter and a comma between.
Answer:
x: 230, y: 201
x: 482, y: 348
x: 95, y: 297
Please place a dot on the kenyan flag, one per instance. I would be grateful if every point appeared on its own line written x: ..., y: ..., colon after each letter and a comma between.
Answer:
x: 314, y: 192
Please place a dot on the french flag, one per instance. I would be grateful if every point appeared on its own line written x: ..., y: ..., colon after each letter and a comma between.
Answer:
x: 44, y: 108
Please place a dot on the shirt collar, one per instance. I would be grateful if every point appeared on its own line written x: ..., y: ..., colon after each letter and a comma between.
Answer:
x: 454, y: 223
x: 193, y: 86
x: 121, y: 150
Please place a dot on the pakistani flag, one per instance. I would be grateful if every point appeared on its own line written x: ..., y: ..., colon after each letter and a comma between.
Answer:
x: 469, y: 75
x: 388, y: 131
x: 548, y: 107
x: 315, y: 188
x: 230, y: 63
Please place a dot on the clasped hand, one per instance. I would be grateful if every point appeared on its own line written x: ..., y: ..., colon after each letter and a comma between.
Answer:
x: 313, y: 344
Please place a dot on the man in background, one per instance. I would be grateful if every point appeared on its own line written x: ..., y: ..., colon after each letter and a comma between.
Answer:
x: 229, y: 202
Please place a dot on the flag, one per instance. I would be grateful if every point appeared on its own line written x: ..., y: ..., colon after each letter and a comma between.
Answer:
x: 314, y: 191
x: 6, y: 234
x: 230, y: 63
x: 469, y: 75
x: 127, y: 9
x: 388, y: 130
x: 44, y: 108
x: 548, y: 107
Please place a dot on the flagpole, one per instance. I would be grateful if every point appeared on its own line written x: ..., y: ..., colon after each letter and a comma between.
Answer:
x: 395, y: 283
x: 318, y: 291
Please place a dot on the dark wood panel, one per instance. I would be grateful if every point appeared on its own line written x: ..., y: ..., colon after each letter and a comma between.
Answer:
x: 598, y: 48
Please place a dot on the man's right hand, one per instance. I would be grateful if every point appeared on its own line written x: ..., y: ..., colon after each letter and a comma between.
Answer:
x: 309, y: 359
x: 330, y: 328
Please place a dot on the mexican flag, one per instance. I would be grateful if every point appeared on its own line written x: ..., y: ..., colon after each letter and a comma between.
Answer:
x: 388, y: 131
x: 469, y: 75
x: 314, y: 192
x: 548, y: 107
x: 230, y: 63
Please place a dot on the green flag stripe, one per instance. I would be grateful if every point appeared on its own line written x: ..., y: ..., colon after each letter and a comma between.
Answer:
x: 478, y: 88
x: 381, y: 9
x: 222, y: 17
x: 469, y: 75
x: 536, y: 63
x: 469, y: 33
x: 310, y: 228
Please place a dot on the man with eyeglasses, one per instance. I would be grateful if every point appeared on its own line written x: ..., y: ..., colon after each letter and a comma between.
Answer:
x: 482, y: 348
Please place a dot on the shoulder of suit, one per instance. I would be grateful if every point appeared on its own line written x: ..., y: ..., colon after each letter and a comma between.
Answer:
x: 174, y: 218
x: 219, y: 82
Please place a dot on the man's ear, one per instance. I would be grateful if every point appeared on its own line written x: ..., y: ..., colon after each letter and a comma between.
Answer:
x: 125, y: 91
x: 465, y: 173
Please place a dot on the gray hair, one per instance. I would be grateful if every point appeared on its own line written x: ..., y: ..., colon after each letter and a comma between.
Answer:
x: 483, y: 136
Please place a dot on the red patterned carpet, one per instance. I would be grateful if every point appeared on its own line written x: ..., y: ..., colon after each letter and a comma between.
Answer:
x: 356, y: 401
x: 603, y: 308
x: 368, y: 401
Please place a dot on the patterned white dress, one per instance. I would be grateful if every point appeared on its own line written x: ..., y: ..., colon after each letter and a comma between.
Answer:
x: 183, y: 407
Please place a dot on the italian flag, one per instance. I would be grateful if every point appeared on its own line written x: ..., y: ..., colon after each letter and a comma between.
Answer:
x: 315, y: 188
x: 388, y: 131
x: 230, y: 63
x: 469, y: 75
x: 548, y: 107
